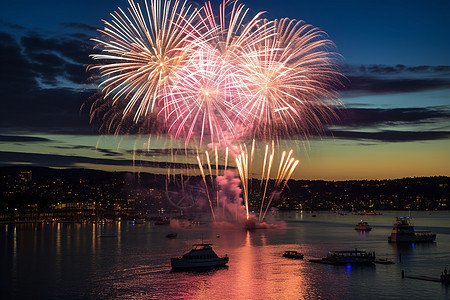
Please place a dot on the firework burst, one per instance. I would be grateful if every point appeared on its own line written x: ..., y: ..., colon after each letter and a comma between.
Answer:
x: 141, y: 51
x: 289, y: 73
x: 198, y: 76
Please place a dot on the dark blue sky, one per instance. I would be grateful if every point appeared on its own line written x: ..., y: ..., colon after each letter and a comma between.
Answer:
x: 366, y: 32
x: 396, y: 57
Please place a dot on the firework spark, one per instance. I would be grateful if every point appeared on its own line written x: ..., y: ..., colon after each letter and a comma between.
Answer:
x: 231, y: 34
x: 286, y: 167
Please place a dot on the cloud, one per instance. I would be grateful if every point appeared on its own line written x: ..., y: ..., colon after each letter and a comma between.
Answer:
x: 106, y: 152
x: 403, y: 85
x: 164, y: 151
x: 52, y: 58
x: 56, y: 111
x: 8, y: 158
x: 26, y: 104
x: 397, y: 69
x: 392, y: 135
x: 376, y: 119
x: 383, y: 79
x: 21, y: 138
x: 16, y: 72
x: 67, y: 46
x: 11, y: 25
x: 367, y: 117
x: 79, y: 26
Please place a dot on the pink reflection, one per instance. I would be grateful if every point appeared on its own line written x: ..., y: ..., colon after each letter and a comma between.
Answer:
x: 256, y: 270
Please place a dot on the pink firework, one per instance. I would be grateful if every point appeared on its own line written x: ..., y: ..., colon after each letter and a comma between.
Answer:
x: 209, y: 95
x: 206, y: 99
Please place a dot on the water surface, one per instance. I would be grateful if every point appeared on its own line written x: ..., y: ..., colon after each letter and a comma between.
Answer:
x: 133, y: 261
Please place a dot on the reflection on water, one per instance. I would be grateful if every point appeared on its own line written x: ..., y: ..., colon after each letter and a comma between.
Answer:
x: 121, y: 260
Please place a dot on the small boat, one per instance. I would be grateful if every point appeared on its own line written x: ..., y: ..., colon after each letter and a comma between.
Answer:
x: 347, y: 257
x: 403, y: 232
x: 171, y: 235
x: 293, y: 254
x: 363, y: 226
x: 201, y: 256
x: 383, y: 261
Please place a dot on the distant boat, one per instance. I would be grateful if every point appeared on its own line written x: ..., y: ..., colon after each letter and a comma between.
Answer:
x: 363, y: 226
x: 383, y: 261
x: 403, y: 232
x: 201, y: 256
x: 293, y: 254
x: 171, y: 235
x: 347, y: 257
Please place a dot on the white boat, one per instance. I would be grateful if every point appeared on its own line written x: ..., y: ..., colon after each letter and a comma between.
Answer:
x: 201, y: 256
x: 404, y: 232
x: 363, y: 226
x: 347, y: 257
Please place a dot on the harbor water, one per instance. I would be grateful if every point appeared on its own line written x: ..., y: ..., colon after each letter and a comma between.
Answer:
x: 121, y: 260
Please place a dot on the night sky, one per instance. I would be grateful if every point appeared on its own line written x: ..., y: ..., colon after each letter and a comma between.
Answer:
x: 397, y: 98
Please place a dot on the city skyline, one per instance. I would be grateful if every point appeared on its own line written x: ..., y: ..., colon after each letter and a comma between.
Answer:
x: 396, y: 121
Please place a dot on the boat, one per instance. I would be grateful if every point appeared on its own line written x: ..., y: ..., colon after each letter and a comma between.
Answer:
x: 293, y: 254
x: 347, y: 257
x: 171, y: 235
x: 383, y: 261
x: 363, y: 226
x: 201, y: 256
x: 403, y: 232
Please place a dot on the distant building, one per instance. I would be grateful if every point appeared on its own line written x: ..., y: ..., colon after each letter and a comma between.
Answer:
x: 26, y: 176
